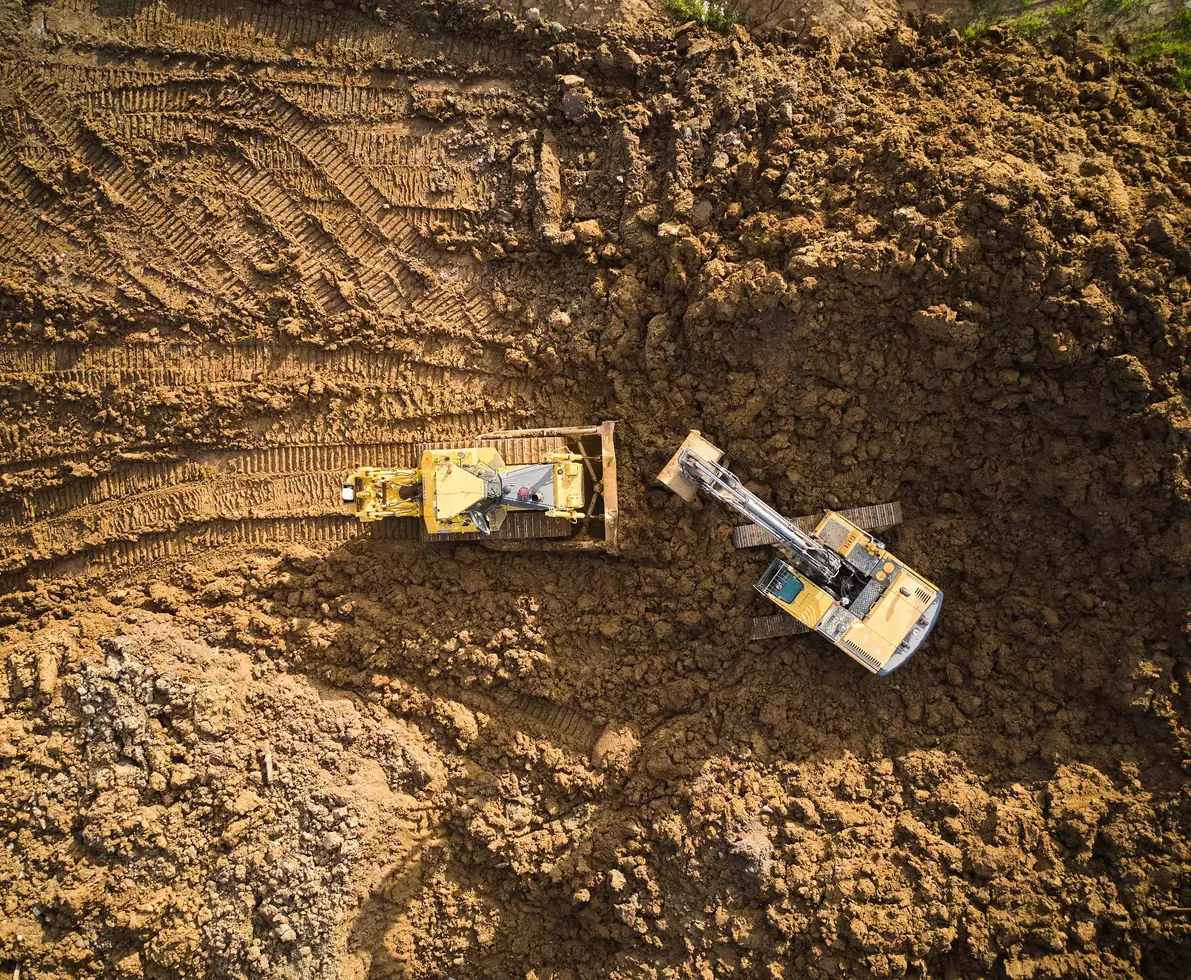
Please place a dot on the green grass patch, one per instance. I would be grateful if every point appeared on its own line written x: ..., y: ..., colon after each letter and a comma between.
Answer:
x: 1030, y: 25
x: 1120, y: 8
x: 1169, y: 40
x: 1147, y: 39
x: 716, y: 16
x: 1054, y: 19
x: 977, y: 27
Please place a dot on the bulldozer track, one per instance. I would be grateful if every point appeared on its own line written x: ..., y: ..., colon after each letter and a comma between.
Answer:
x: 182, y: 23
x: 456, y: 425
x: 306, y: 459
x: 149, y: 95
x: 541, y: 718
x: 558, y: 721
x: 342, y: 100
x: 121, y: 484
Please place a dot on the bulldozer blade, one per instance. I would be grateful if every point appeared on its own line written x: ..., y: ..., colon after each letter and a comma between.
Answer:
x: 874, y: 519
x: 779, y: 624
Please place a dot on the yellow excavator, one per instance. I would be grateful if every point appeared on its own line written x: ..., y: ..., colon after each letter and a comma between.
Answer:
x: 833, y: 576
x: 553, y: 486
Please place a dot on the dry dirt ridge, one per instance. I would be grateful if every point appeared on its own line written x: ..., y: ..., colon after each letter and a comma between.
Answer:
x: 244, y: 247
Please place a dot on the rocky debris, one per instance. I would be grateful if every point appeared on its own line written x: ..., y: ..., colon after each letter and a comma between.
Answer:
x: 171, y: 815
x: 1130, y: 375
x: 576, y: 97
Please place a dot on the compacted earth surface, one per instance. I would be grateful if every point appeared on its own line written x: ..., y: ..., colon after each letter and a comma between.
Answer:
x: 245, y: 247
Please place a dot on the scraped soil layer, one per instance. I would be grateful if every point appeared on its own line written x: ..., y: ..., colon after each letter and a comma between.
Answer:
x: 243, y: 250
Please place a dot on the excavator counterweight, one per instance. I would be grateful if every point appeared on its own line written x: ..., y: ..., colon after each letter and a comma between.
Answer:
x: 834, y: 578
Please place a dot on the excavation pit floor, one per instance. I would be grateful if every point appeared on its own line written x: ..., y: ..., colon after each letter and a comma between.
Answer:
x: 246, y: 247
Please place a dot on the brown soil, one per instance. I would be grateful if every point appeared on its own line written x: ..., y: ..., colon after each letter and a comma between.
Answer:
x: 244, y: 247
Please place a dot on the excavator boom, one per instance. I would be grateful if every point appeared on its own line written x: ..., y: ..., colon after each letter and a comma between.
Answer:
x: 722, y: 484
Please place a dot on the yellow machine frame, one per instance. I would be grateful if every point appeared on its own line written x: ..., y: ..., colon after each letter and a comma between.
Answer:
x: 545, y: 489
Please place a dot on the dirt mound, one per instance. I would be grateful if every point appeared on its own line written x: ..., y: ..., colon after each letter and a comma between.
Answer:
x: 844, y: 20
x: 243, y: 251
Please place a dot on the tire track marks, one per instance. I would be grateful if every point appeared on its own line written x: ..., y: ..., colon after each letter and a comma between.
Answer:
x: 406, y: 392
x: 135, y: 508
x: 178, y: 363
x: 255, y: 32
x: 123, y: 187
x: 98, y: 562
x: 460, y: 306
x: 25, y: 456
x: 37, y: 213
x: 129, y: 479
x: 167, y: 508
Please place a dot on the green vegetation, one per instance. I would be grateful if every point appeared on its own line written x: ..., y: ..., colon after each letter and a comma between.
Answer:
x: 716, y: 16
x: 976, y: 27
x: 1146, y: 38
x: 1170, y: 40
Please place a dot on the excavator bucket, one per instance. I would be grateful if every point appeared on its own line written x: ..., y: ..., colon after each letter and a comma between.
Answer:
x: 671, y: 476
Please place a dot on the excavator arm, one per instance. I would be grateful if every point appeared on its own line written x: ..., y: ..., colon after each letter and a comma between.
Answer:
x: 720, y: 483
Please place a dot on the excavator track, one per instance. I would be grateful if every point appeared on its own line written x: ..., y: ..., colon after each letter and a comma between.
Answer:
x: 873, y: 518
x: 779, y: 624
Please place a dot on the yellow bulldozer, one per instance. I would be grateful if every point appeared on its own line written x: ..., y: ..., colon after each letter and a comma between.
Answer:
x: 539, y: 488
x: 833, y: 577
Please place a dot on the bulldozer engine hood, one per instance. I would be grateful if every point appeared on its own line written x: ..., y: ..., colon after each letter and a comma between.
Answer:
x: 528, y: 487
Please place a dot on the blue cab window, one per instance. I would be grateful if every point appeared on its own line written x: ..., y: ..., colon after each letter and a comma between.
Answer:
x: 788, y: 587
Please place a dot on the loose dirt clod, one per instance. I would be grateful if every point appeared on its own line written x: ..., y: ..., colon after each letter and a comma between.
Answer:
x: 246, y: 248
